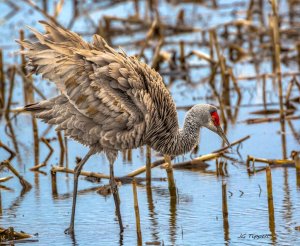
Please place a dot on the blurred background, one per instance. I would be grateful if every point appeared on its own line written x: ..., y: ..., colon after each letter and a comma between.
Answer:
x: 242, y: 56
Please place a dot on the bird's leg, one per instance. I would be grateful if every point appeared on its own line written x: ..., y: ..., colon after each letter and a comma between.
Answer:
x: 114, y: 190
x: 77, y: 171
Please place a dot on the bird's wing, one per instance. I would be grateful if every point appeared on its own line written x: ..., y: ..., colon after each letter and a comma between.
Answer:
x: 125, y: 98
x: 100, y: 83
x: 60, y: 112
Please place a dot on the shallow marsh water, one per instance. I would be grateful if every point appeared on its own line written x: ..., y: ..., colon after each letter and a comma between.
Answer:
x: 196, y: 218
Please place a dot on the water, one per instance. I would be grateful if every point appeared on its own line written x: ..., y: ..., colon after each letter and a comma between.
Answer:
x: 196, y: 218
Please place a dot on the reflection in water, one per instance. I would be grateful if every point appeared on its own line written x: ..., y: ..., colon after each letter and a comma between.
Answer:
x: 36, y: 185
x: 287, y: 204
x: 225, y: 213
x: 173, y: 216
x: 152, y: 214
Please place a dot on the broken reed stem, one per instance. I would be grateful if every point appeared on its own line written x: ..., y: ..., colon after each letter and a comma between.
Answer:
x: 137, y: 213
x: 265, y: 120
x: 83, y: 173
x: 11, y: 89
x: 171, y: 181
x: 129, y: 155
x: 26, y: 185
x: 143, y: 168
x: 10, y: 234
x: 270, y: 162
x: 66, y: 151
x: 23, y: 68
x: 44, y: 163
x: 123, y: 179
x: 270, y: 201
x: 11, y: 152
x: 2, y: 82
x: 296, y: 158
x: 232, y: 144
x: 62, y: 149
x: 36, y: 141
x: 225, y: 211
x: 4, y: 179
x: 148, y: 165
x: 0, y: 204
x: 53, y: 181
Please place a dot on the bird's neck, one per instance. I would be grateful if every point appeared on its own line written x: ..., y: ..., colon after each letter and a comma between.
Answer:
x: 183, y: 140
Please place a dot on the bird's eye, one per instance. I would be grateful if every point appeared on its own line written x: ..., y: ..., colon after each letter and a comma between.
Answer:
x: 215, y: 118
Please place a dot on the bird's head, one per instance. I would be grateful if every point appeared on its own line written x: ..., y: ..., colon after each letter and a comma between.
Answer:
x: 207, y: 116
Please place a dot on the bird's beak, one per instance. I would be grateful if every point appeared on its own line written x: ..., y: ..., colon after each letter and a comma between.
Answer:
x: 221, y: 133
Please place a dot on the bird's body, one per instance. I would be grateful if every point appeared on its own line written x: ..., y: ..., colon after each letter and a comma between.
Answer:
x: 109, y: 101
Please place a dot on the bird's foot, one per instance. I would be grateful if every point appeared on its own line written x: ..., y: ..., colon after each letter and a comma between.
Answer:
x: 69, y: 231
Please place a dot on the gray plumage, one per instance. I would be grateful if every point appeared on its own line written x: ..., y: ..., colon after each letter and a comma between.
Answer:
x: 109, y: 101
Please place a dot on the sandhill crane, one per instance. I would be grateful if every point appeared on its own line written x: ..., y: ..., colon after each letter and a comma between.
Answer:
x: 109, y: 101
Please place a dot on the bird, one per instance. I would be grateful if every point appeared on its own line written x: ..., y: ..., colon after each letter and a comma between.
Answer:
x: 109, y: 101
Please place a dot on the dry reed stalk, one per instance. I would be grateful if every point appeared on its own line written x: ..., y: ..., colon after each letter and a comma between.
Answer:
x: 274, y: 25
x: 53, y: 181
x: 137, y: 214
x: 148, y: 165
x: 36, y: 141
x: 66, y: 151
x: 129, y: 155
x: 182, y: 56
x: 29, y: 98
x: 23, y: 68
x: 289, y: 90
x: 143, y: 168
x: 62, y: 149
x: 266, y: 120
x: 0, y: 204
x: 124, y: 154
x: 26, y: 185
x: 44, y: 163
x: 156, y: 56
x: 83, y: 173
x: 296, y: 158
x: 11, y: 89
x: 11, y: 152
x: 2, y: 82
x: 235, y: 83
x: 270, y: 201
x: 270, y: 162
x: 196, y: 161
x: 4, y: 179
x: 225, y: 212
x: 298, y: 55
x: 203, y: 56
x: 171, y: 181
x: 45, y: 6
x: 12, y: 72
x: 124, y: 179
x: 149, y: 35
x: 10, y: 234
x: 214, y: 69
